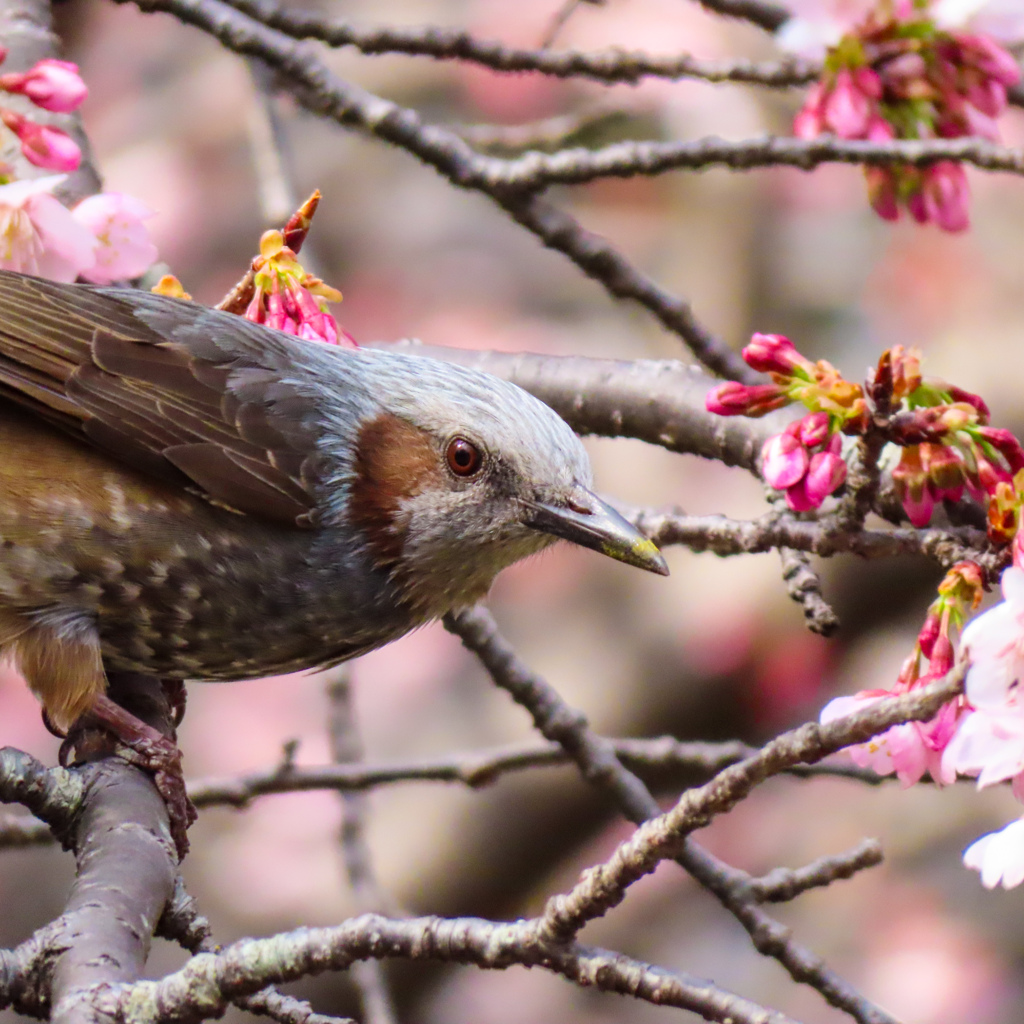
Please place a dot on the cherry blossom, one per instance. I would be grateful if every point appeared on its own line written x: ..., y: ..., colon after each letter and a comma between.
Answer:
x: 999, y: 856
x: 38, y: 235
x: 124, y: 248
x: 915, y: 749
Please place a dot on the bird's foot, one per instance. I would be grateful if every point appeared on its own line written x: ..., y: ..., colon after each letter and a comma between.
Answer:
x: 141, y: 745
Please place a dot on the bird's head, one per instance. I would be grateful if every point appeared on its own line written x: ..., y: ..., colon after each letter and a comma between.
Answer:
x: 457, y: 474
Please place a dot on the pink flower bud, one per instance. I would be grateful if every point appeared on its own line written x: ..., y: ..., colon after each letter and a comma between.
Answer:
x: 797, y: 498
x: 42, y: 145
x: 912, y: 486
x: 990, y: 58
x: 945, y: 471
x: 1006, y: 444
x: 988, y: 95
x: 783, y: 461
x: 773, y: 353
x: 946, y: 195
x: 735, y: 399
x: 825, y: 473
x: 814, y: 429
x: 879, y: 130
x: 51, y: 84
x: 847, y: 111
x: 809, y: 122
x: 929, y: 634
x: 882, y: 192
x: 959, y: 395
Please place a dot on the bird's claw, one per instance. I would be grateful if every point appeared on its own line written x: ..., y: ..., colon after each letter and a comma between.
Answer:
x: 108, y: 729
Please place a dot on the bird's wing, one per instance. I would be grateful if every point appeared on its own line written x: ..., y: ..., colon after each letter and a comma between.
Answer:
x: 189, y: 395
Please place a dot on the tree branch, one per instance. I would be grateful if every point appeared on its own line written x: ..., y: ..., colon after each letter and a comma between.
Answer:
x: 565, y: 915
x: 607, y: 66
x: 207, y: 983
x: 322, y: 92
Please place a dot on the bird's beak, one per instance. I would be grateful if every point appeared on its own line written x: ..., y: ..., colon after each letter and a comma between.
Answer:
x: 587, y: 520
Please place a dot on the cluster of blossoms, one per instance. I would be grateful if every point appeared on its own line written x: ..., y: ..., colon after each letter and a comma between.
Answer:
x: 981, y: 734
x: 279, y: 292
x: 898, y: 71
x: 52, y: 85
x: 947, y: 446
x: 915, y: 749
x: 102, y: 239
x: 804, y: 461
x: 956, y: 447
x: 289, y: 298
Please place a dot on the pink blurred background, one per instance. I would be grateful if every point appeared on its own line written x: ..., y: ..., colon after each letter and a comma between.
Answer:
x: 716, y: 651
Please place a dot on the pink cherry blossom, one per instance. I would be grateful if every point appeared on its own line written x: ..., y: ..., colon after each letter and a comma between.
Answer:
x: 1001, y: 19
x: 999, y: 856
x: 910, y: 751
x: 124, y: 248
x: 989, y: 743
x: 38, y: 235
x: 994, y: 643
x: 51, y: 84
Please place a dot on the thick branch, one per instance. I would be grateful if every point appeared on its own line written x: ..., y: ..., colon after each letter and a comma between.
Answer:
x: 127, y: 866
x: 657, y: 401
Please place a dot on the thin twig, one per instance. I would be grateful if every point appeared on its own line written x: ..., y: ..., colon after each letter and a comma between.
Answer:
x: 608, y: 66
x: 347, y: 748
x: 783, y: 885
x: 803, y: 585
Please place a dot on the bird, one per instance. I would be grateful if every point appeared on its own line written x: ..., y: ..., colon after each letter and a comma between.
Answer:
x: 192, y: 496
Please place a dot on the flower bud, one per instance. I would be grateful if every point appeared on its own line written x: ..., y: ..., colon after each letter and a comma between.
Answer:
x: 783, y: 461
x: 847, y: 110
x: 945, y: 470
x: 959, y: 395
x: 42, y: 145
x: 911, y: 483
x: 1006, y: 444
x: 814, y: 429
x: 825, y: 473
x: 51, y: 84
x: 735, y: 399
x: 773, y: 353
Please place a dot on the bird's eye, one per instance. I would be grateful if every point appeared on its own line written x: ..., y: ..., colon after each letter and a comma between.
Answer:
x: 464, y: 458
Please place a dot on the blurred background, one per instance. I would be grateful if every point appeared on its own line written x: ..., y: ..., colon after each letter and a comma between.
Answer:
x: 716, y: 651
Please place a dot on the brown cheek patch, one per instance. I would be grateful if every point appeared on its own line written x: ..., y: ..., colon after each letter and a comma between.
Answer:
x: 394, y: 461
